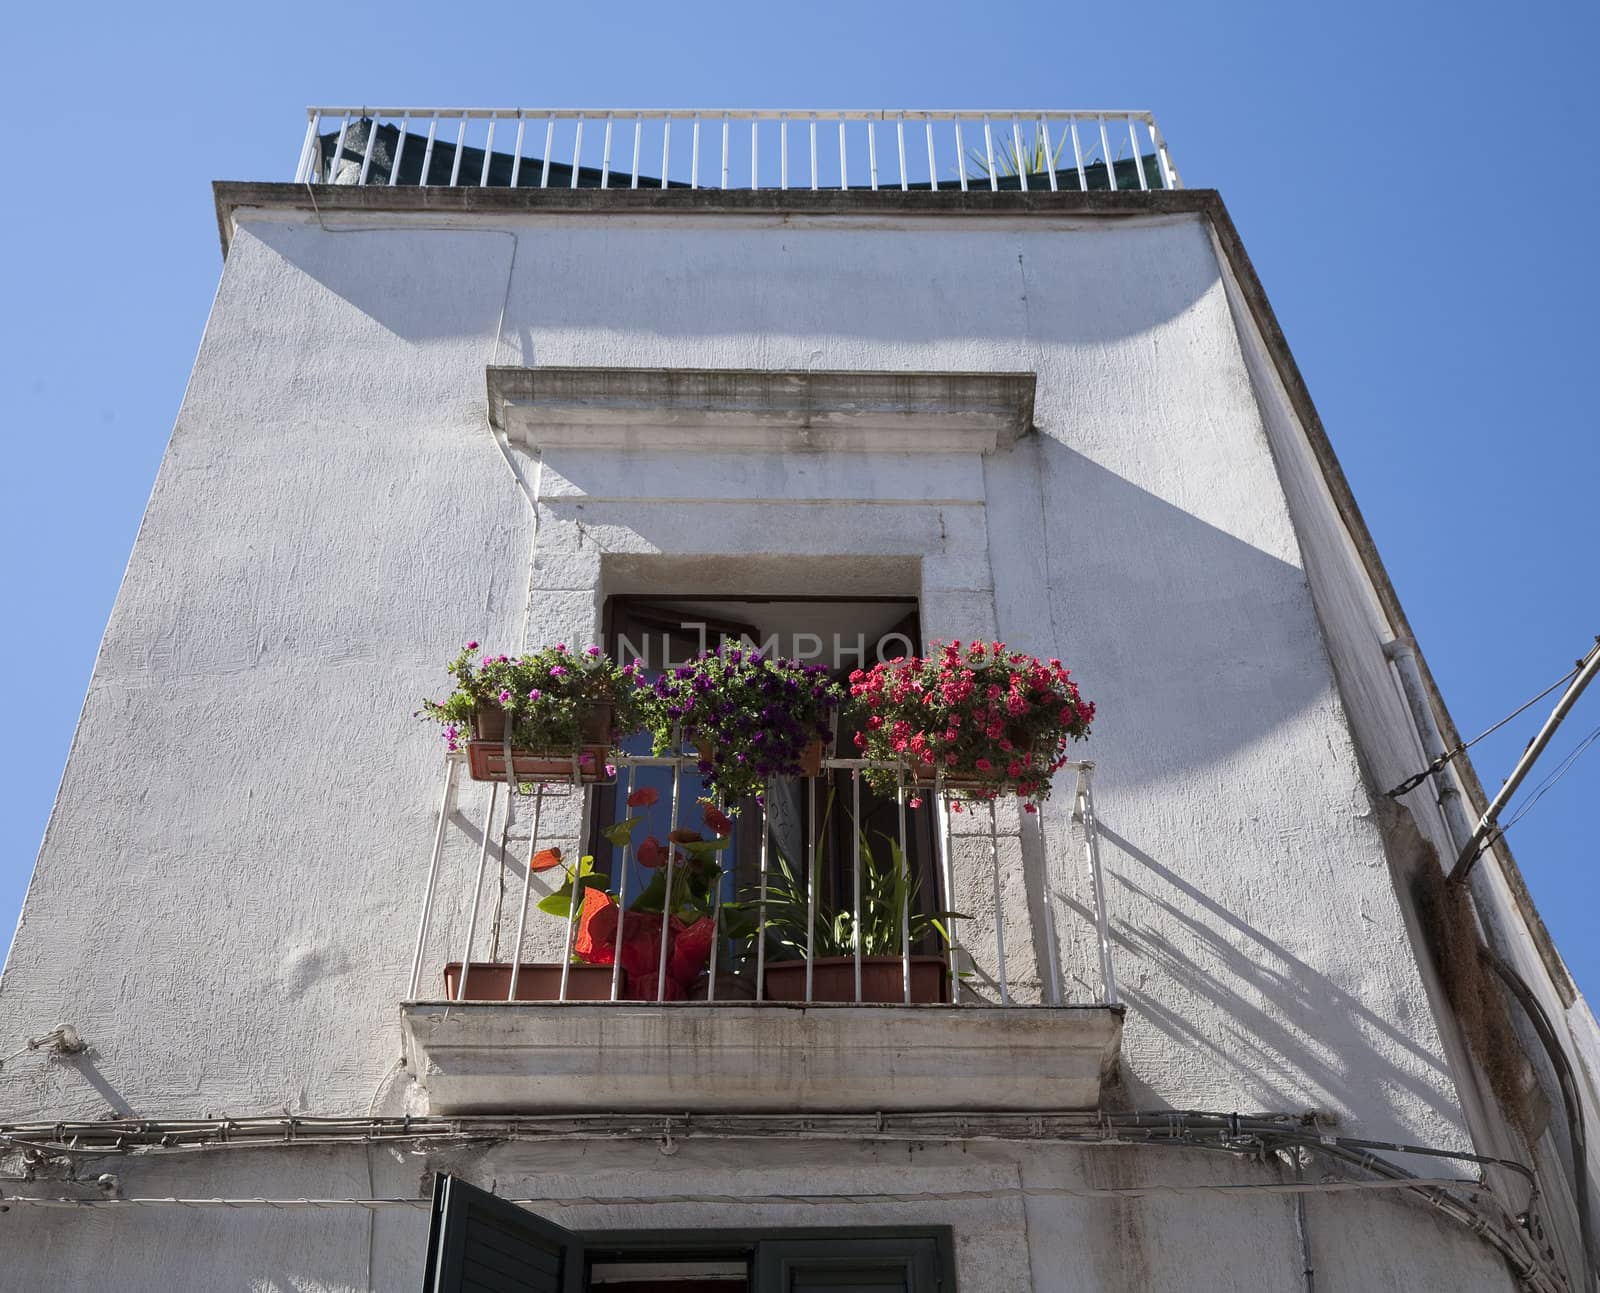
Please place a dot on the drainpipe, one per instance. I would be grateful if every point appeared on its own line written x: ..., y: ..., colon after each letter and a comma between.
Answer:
x: 1404, y: 656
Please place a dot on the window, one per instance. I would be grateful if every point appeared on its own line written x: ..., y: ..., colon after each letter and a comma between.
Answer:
x: 841, y: 633
x: 482, y: 1244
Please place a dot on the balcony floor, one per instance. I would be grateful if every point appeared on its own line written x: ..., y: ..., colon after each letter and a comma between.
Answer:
x: 502, y: 1057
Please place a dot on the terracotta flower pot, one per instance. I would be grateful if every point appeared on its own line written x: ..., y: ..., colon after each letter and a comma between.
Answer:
x: 834, y: 979
x: 491, y: 981
x: 730, y: 987
x: 486, y: 751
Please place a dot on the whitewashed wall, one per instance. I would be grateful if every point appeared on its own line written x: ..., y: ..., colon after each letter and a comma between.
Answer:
x: 225, y: 899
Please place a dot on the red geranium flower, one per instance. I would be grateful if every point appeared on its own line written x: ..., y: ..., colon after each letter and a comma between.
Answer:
x: 643, y: 797
x: 691, y: 950
x: 651, y: 854
x: 596, y: 938
x: 717, y: 820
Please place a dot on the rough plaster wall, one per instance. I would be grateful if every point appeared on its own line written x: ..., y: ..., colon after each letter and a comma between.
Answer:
x: 1023, y: 1221
x: 248, y: 792
x: 1356, y: 628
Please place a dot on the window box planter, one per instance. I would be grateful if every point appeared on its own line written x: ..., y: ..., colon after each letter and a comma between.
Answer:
x: 882, y: 981
x: 585, y: 763
x: 491, y: 981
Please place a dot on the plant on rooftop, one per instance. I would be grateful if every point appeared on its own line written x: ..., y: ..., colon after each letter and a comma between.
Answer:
x: 991, y: 720
x: 553, y: 702
x: 752, y: 718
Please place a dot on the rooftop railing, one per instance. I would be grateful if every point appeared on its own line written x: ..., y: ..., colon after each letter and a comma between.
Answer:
x: 736, y: 149
x: 931, y: 901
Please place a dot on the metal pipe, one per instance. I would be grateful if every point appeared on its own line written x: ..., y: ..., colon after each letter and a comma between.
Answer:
x: 1479, y: 840
x: 477, y: 891
x: 855, y: 838
x: 999, y: 911
x: 1102, y: 923
x: 527, y: 886
x: 446, y: 802
x: 488, y: 155
x: 622, y: 899
x: 399, y: 150
x: 1404, y: 657
x: 1052, y: 944
x: 461, y: 139
x: 761, y: 909
x: 811, y: 877
x: 947, y: 883
x: 666, y: 897
x: 905, y: 894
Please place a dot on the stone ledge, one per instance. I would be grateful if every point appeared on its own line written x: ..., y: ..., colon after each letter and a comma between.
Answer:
x: 503, y: 1057
x: 698, y: 410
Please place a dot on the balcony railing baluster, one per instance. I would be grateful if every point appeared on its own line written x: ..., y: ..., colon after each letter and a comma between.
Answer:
x: 988, y: 983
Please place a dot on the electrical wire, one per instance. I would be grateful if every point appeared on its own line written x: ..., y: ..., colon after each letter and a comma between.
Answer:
x: 1538, y: 792
x: 1438, y: 764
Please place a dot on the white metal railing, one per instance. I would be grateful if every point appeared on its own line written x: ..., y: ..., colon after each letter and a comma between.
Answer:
x: 735, y: 149
x: 979, y: 969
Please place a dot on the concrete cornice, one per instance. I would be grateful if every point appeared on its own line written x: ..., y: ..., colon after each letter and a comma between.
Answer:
x: 232, y: 195
x: 695, y: 409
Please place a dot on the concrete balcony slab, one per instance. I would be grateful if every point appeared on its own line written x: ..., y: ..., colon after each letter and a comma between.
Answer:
x: 504, y: 1057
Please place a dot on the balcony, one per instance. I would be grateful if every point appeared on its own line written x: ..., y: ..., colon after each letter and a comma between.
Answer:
x: 945, y: 955
x: 1042, y: 151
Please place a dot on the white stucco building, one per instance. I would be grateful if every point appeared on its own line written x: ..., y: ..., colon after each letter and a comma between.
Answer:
x: 830, y: 380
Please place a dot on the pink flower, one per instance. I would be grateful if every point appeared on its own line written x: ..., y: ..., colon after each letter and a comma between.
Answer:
x: 983, y: 765
x: 535, y: 694
x: 594, y: 650
x: 914, y: 802
x: 472, y: 646
x: 504, y: 695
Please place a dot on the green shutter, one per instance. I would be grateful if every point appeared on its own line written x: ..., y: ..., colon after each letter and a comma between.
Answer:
x: 478, y: 1243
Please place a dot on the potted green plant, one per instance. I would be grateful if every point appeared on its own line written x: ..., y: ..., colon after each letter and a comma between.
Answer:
x: 889, y: 923
x: 555, y: 713
x: 750, y: 716
x: 990, y: 720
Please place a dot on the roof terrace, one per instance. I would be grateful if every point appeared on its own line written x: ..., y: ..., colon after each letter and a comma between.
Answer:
x: 735, y: 149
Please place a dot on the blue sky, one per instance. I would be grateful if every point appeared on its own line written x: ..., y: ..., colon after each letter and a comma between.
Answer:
x: 1412, y: 183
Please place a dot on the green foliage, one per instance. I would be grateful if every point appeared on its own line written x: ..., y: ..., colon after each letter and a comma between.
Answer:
x: 549, y: 698
x: 751, y: 715
x: 1035, y: 158
x: 889, y: 912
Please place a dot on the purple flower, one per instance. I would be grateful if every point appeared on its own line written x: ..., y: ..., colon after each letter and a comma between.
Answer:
x: 504, y: 696
x: 472, y: 646
x: 561, y: 646
x: 556, y: 671
x: 487, y: 661
x: 594, y: 650
x: 535, y: 694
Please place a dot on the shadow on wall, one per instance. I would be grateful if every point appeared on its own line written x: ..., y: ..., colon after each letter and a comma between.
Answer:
x: 1316, y: 1039
x: 1192, y: 643
x: 678, y: 285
